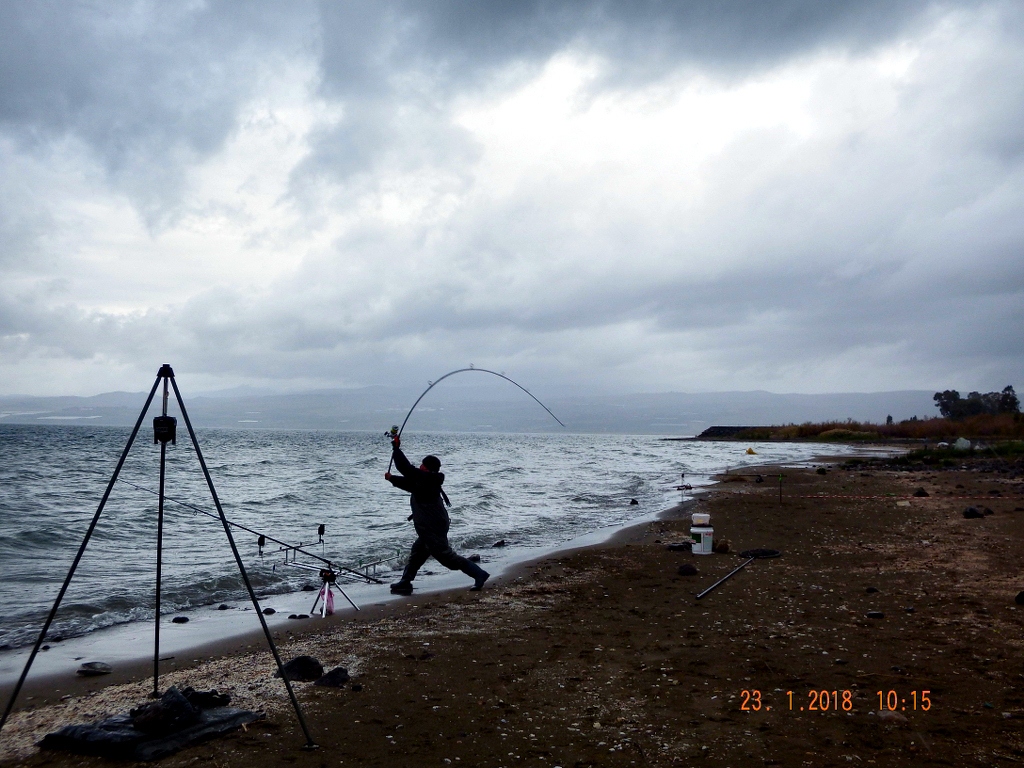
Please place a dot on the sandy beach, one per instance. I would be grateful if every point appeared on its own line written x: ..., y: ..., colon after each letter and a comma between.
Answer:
x: 603, y: 656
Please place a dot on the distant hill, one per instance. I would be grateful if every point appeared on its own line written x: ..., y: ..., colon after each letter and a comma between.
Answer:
x: 470, y: 408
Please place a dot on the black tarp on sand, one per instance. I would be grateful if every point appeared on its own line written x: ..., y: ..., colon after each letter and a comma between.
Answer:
x: 116, y: 737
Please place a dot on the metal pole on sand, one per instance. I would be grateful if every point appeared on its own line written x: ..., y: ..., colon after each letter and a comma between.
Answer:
x: 751, y: 555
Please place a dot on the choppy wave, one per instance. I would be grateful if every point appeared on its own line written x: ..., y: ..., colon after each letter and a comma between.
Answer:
x: 531, y: 490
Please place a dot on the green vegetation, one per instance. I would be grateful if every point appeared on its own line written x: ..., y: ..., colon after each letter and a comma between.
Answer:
x: 1001, y: 426
x: 952, y: 406
x: 947, y: 457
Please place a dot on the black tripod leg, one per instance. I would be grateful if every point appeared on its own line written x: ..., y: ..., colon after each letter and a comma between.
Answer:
x: 310, y: 744
x: 165, y: 373
x: 159, y: 564
x: 78, y: 557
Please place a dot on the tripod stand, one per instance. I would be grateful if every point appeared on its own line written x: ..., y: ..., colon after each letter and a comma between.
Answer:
x: 164, y: 429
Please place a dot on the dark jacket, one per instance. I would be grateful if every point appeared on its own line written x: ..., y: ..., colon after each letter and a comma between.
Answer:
x: 428, y: 509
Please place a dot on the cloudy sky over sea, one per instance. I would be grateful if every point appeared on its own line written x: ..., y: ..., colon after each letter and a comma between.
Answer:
x: 798, y: 196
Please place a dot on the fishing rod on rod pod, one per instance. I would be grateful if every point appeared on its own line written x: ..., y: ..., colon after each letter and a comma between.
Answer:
x: 263, y: 538
x: 396, y: 431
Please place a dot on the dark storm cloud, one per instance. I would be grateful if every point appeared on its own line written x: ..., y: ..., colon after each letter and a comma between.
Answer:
x: 396, y: 66
x: 138, y: 81
x: 150, y: 87
x: 459, y: 42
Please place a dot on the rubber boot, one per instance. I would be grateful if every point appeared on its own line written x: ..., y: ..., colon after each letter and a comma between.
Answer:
x: 402, y: 587
x: 478, y: 574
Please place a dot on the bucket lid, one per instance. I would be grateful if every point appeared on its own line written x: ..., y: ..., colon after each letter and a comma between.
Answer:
x: 701, y: 518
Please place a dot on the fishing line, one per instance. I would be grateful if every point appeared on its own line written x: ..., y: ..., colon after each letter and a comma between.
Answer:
x: 464, y: 370
x: 263, y: 538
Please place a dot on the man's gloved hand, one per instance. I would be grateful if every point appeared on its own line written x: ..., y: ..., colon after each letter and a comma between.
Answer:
x: 396, y: 441
x: 387, y: 475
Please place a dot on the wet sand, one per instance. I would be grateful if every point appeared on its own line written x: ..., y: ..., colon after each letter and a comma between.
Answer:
x: 603, y: 656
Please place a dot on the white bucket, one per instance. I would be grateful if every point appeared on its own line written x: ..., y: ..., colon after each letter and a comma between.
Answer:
x: 703, y: 539
x: 701, y: 518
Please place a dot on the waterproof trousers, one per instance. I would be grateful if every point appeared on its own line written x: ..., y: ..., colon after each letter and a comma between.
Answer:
x: 435, y: 544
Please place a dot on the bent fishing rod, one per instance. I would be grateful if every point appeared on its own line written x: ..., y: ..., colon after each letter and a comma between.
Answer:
x: 433, y: 384
x: 285, y: 546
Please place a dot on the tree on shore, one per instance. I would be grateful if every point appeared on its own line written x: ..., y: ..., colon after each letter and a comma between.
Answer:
x: 952, y: 406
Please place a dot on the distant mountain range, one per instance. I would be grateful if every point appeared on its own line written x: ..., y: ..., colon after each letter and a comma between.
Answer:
x: 477, y: 409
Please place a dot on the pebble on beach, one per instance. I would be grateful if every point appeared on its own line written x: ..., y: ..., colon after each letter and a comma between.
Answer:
x: 1019, y: 599
x: 336, y: 678
x: 180, y: 620
x: 302, y: 669
x: 875, y: 615
x: 688, y: 569
x: 94, y: 669
x: 269, y: 611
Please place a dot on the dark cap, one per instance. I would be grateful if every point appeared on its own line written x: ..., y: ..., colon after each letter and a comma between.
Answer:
x: 432, y: 463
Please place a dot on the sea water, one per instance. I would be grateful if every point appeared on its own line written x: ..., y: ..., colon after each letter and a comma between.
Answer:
x: 532, y: 491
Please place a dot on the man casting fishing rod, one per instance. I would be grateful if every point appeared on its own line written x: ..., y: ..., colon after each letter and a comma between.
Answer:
x: 430, y: 519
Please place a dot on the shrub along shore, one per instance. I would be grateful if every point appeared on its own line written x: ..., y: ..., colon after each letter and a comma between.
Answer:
x: 1001, y: 427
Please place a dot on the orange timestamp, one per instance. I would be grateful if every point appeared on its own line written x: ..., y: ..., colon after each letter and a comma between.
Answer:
x: 817, y: 701
x: 891, y: 701
x: 752, y: 700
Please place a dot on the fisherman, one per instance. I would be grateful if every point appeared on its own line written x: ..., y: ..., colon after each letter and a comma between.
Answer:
x: 430, y: 519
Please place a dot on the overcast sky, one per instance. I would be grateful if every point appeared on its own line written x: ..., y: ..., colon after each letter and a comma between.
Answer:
x: 798, y: 196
